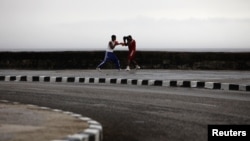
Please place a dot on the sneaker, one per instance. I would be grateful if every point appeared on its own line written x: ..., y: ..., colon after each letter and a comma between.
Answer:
x: 127, y: 69
x: 99, y: 69
x: 137, y: 67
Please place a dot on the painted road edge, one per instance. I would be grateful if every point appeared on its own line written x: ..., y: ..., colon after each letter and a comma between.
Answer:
x: 139, y: 82
x: 94, y: 132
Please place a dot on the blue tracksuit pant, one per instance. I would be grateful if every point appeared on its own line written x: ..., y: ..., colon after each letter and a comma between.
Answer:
x: 110, y: 56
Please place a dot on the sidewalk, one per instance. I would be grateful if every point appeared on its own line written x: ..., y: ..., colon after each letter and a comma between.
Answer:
x: 19, y: 122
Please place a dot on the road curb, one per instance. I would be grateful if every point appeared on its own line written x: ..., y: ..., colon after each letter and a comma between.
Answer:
x: 93, y: 133
x: 139, y: 82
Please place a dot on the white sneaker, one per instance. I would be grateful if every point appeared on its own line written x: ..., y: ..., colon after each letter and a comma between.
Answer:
x: 99, y: 69
x: 137, y: 67
x: 127, y: 69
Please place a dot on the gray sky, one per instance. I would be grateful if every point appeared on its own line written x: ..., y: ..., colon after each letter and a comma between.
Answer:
x: 155, y: 24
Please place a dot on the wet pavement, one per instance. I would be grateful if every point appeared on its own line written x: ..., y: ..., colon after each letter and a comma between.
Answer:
x: 16, y: 120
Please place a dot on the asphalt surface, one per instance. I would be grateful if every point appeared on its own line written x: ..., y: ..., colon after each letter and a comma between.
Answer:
x: 135, y: 113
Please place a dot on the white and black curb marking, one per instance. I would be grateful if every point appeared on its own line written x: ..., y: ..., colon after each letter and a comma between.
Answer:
x: 139, y: 82
x: 93, y: 133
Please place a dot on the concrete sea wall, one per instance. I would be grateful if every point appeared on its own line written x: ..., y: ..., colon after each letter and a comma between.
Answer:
x: 147, y: 60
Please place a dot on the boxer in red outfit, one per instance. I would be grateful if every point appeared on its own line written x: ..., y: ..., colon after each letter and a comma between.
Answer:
x: 131, y: 43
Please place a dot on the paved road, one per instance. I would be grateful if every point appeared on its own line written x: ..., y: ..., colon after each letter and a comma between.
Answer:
x: 138, y: 113
x: 237, y: 77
